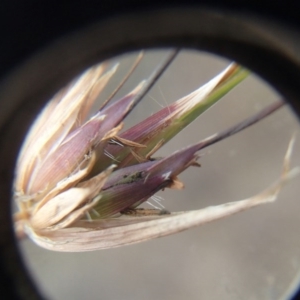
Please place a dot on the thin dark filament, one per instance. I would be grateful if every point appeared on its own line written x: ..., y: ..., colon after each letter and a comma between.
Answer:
x: 154, y: 77
x: 242, y: 125
x: 121, y: 84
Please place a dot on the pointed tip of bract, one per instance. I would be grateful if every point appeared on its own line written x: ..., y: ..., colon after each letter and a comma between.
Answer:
x: 118, y: 110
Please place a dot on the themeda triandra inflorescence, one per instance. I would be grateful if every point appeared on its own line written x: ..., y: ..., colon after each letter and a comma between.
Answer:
x: 79, y: 180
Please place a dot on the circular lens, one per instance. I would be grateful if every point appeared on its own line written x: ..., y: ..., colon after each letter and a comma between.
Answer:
x: 253, y: 253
